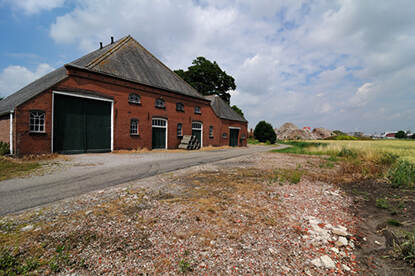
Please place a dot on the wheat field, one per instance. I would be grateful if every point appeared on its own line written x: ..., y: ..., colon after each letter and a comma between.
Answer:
x: 371, y: 149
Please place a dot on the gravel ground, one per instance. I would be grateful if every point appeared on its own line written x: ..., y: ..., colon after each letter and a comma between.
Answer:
x: 239, y: 216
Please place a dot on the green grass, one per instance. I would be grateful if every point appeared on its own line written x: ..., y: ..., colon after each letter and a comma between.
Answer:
x: 394, y: 222
x: 402, y: 174
x: 299, y: 147
x: 10, y: 168
x: 405, y: 249
x: 292, y: 176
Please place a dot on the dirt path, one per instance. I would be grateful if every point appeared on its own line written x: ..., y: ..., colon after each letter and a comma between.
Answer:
x: 264, y: 213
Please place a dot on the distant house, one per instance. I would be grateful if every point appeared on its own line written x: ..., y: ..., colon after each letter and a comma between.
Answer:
x: 389, y: 134
x: 117, y: 97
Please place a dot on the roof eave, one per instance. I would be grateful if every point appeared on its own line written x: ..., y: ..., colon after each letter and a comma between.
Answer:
x: 69, y: 65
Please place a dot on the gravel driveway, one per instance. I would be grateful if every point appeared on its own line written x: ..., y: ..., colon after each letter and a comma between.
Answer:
x: 88, y: 172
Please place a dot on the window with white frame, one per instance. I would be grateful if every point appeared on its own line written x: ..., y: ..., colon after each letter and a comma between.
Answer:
x: 134, y: 127
x: 37, y: 121
x: 196, y: 126
x: 197, y: 110
x: 134, y: 98
x: 160, y: 103
x: 179, y: 129
x: 159, y: 123
x: 180, y: 107
x: 210, y: 131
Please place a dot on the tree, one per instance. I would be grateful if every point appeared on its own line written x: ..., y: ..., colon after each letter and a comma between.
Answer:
x: 238, y: 110
x: 400, y: 134
x: 265, y: 132
x: 208, y: 78
x: 413, y: 136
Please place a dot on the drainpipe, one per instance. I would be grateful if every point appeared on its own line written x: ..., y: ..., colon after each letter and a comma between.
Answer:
x: 11, y: 131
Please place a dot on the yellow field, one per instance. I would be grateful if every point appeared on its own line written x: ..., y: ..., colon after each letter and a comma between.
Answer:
x: 372, y: 149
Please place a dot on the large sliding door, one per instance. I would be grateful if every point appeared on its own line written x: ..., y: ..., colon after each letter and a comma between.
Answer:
x: 81, y: 125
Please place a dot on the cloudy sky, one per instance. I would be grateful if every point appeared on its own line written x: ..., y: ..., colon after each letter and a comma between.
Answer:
x: 346, y: 65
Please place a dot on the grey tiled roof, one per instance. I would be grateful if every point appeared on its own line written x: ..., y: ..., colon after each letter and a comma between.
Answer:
x: 125, y: 59
x: 223, y: 110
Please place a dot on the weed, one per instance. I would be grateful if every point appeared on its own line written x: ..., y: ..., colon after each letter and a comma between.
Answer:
x: 332, y: 158
x: 11, y: 265
x: 405, y: 249
x: 388, y: 159
x: 402, y: 174
x: 348, y: 153
x: 394, y: 222
x: 4, y: 148
x: 382, y: 203
x: 287, y: 175
x: 184, y: 266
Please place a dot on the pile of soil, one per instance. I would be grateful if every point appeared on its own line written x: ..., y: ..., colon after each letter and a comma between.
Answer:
x: 289, y: 131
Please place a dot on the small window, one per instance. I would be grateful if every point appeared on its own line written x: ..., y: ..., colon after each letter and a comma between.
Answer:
x: 134, y: 98
x: 134, y: 127
x: 159, y: 123
x: 179, y: 130
x: 180, y: 107
x: 211, y: 132
x: 225, y: 135
x: 37, y: 121
x: 160, y: 103
x: 197, y: 110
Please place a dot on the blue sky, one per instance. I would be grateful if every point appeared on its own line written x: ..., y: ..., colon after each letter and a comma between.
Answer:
x: 346, y: 64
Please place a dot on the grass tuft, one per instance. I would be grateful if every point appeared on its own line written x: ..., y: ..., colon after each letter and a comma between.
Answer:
x: 402, y: 174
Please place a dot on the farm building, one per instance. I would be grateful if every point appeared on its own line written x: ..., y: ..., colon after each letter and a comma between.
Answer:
x: 117, y: 97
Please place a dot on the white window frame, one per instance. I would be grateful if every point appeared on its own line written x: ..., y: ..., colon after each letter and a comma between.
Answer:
x: 36, y: 124
x: 181, y: 130
x: 211, y: 131
x: 86, y: 97
x: 165, y: 126
x: 135, y: 96
x: 201, y: 131
x: 137, y: 127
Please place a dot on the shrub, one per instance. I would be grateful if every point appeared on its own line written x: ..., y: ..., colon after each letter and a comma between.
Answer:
x: 264, y: 132
x: 388, y: 159
x: 4, y: 148
x: 406, y: 248
x: 400, y: 134
x: 349, y: 153
x: 402, y: 174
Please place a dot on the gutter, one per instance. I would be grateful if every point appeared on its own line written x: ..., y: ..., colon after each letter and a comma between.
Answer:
x: 11, y: 131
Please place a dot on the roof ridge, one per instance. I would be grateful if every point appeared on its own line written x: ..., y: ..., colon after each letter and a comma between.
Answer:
x: 165, y: 66
x: 105, y: 55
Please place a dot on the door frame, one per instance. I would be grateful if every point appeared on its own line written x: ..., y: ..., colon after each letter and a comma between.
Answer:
x: 237, y: 138
x: 166, y: 127
x: 86, y: 97
x: 201, y: 131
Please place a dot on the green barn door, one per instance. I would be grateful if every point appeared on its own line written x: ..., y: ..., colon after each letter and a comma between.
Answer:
x: 98, y: 126
x: 159, y: 132
x: 68, y: 125
x: 81, y: 125
x: 233, y: 137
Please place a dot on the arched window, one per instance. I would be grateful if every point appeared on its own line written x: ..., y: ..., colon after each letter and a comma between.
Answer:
x: 180, y: 107
x: 134, y: 98
x: 160, y: 103
x: 179, y: 129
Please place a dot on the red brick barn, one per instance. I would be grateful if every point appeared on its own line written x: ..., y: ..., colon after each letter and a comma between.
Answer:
x: 117, y: 97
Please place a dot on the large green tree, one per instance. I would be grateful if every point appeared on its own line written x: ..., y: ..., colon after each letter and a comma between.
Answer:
x: 265, y: 132
x: 208, y: 78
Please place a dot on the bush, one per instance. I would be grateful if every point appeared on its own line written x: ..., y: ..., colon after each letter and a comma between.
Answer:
x: 402, y: 174
x: 400, y: 134
x: 264, y: 132
x: 4, y: 148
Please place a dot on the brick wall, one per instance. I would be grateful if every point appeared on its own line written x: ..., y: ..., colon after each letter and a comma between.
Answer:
x: 5, y: 128
x: 123, y: 113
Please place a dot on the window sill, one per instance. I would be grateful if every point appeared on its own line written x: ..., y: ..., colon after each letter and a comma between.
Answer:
x: 134, y: 103
x: 160, y: 107
x: 134, y: 134
x: 198, y: 113
x: 180, y: 110
x: 37, y: 132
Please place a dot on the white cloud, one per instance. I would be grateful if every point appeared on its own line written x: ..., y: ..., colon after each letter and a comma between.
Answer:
x: 35, y: 6
x: 320, y: 63
x: 14, y: 77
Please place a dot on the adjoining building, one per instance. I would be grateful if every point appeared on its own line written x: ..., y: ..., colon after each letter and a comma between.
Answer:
x: 117, y: 97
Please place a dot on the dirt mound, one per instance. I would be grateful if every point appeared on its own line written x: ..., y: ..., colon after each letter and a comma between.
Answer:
x: 322, y: 133
x: 289, y: 131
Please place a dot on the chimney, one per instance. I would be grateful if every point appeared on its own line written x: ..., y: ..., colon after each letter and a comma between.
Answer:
x: 100, y: 45
x: 112, y: 39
